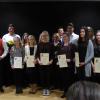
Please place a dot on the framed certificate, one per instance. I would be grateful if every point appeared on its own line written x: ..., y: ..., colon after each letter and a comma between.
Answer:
x: 18, y: 62
x: 76, y: 59
x: 29, y: 61
x: 44, y: 58
x: 62, y: 61
x: 97, y: 64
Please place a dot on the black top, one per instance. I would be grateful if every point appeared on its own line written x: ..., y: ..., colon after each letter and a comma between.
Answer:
x: 82, y: 51
x: 45, y: 48
x: 70, y: 53
x: 31, y: 50
x: 56, y: 48
x: 97, y: 50
x: 68, y: 50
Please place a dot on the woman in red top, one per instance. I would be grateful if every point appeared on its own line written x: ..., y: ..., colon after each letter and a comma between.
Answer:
x: 3, y: 53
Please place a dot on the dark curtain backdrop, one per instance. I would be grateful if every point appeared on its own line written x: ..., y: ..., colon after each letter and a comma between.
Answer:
x: 34, y: 17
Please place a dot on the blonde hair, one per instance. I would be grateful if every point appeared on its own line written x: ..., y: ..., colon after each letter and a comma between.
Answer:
x: 33, y: 37
x: 44, y: 33
x: 57, y: 35
x: 17, y: 39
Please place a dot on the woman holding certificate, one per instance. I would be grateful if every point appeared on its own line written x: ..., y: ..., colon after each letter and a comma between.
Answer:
x: 17, y: 60
x: 31, y: 70
x: 96, y: 65
x: 86, y: 54
x: 66, y: 63
x: 45, y: 58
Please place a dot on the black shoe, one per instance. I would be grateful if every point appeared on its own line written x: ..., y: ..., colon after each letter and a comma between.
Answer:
x: 63, y: 96
x: 1, y: 90
x: 19, y: 91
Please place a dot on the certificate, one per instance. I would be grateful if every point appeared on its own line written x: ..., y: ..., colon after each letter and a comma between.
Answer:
x: 62, y: 61
x: 29, y: 61
x: 18, y: 62
x: 44, y: 58
x: 97, y: 64
x: 76, y: 59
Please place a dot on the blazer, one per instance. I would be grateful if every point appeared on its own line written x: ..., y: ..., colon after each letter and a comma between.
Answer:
x: 27, y: 51
x: 88, y: 59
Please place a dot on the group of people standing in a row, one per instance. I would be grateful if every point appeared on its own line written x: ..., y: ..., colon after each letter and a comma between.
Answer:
x: 51, y: 74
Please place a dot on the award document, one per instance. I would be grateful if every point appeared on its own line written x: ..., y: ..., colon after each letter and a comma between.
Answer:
x: 97, y: 64
x: 44, y: 58
x: 76, y: 59
x: 18, y: 62
x: 29, y: 61
x: 62, y: 61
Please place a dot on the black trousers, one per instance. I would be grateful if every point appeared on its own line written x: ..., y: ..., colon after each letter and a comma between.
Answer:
x: 18, y: 78
x: 8, y: 76
x: 45, y: 76
x: 66, y: 76
x: 54, y: 76
x: 1, y: 73
x: 96, y: 77
x: 32, y: 75
x: 80, y: 73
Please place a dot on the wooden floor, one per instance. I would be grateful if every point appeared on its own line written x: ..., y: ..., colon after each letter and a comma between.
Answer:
x: 10, y: 95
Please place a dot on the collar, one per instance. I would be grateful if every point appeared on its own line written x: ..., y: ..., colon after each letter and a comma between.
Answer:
x: 10, y: 34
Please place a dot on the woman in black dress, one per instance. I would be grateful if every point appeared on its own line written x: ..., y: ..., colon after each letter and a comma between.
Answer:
x: 45, y: 47
x: 97, y: 54
x: 86, y: 53
x: 66, y: 74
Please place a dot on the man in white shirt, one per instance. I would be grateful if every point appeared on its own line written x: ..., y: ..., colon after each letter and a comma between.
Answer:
x: 8, y: 38
x: 70, y: 30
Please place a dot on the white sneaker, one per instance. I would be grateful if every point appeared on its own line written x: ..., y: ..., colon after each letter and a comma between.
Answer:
x: 47, y: 92
x: 44, y: 92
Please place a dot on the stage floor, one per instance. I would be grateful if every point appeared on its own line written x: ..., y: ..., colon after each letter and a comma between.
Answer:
x: 10, y: 95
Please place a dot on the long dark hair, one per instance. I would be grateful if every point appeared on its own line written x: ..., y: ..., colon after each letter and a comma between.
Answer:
x: 96, y: 42
x: 86, y: 37
x: 83, y: 90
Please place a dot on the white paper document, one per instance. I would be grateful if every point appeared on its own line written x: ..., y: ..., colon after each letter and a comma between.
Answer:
x: 76, y: 59
x: 97, y: 64
x: 44, y: 58
x: 30, y: 61
x: 18, y: 62
x: 62, y: 61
